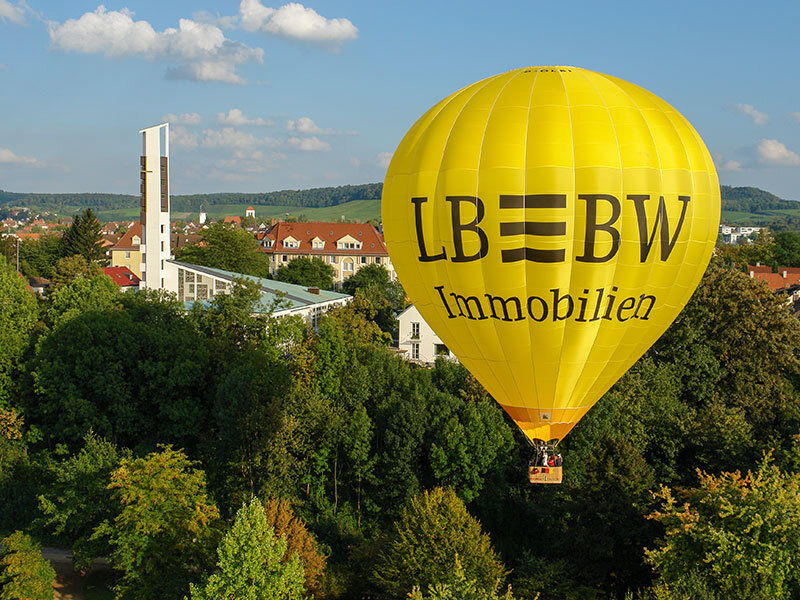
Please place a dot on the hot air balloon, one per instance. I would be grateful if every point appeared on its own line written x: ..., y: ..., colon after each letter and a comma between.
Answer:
x: 549, y: 223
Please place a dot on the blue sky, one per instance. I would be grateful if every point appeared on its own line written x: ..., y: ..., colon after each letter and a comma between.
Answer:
x: 266, y: 96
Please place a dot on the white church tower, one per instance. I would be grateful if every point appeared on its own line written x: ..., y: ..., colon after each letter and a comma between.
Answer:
x: 155, y: 205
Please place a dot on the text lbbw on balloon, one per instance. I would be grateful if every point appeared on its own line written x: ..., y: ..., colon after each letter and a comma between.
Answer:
x: 593, y: 227
x: 583, y: 308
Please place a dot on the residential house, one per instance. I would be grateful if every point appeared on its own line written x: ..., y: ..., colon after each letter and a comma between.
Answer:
x: 417, y: 342
x: 347, y: 247
x: 126, y: 252
x: 738, y: 235
x: 125, y: 279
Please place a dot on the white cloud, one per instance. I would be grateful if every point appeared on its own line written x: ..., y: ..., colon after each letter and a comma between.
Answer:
x: 312, y: 144
x: 251, y: 162
x: 383, y: 159
x: 228, y: 137
x: 355, y: 162
x: 757, y: 116
x: 236, y: 118
x: 296, y: 22
x: 182, y: 138
x: 14, y: 14
x: 202, y: 51
x: 796, y: 116
x: 773, y: 152
x: 723, y: 164
x: 8, y: 157
x: 731, y: 165
x: 184, y: 119
x: 306, y: 125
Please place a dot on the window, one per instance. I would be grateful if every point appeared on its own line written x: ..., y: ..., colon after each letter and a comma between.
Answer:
x: 316, y: 312
x: 136, y: 241
x: 284, y: 258
x: 441, y: 350
x: 318, y: 244
x: 127, y: 254
x: 363, y: 260
x: 291, y: 243
x: 162, y: 231
x: 333, y: 260
x: 348, y: 266
x: 162, y: 244
x: 377, y: 260
x: 415, y: 350
x: 415, y: 331
x: 202, y: 291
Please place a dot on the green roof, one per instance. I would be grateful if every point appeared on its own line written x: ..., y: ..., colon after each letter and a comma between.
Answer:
x: 297, y: 296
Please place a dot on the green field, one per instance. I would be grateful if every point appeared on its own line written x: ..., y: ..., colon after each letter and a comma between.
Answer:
x: 765, y: 217
x: 358, y: 210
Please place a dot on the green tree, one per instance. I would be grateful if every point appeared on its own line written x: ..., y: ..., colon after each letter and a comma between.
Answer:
x: 736, y: 350
x: 458, y: 587
x: 24, y: 573
x: 80, y: 296
x: 251, y: 563
x: 311, y: 272
x: 19, y: 313
x: 247, y: 413
x: 79, y: 499
x: 69, y: 268
x: 84, y: 238
x: 164, y: 527
x: 37, y: 258
x: 136, y: 376
x: 434, y: 528
x: 385, y: 297
x: 741, y: 534
x: 228, y: 248
x: 787, y: 249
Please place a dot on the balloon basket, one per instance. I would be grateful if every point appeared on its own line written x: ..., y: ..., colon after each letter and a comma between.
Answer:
x: 544, y: 474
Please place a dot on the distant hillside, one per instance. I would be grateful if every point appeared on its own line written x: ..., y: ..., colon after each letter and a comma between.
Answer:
x: 312, y: 198
x: 754, y: 206
x: 740, y: 205
x: 752, y: 200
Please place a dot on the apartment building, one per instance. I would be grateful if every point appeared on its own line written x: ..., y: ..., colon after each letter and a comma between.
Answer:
x: 347, y: 247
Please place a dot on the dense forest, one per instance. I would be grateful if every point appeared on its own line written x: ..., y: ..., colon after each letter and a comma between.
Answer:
x: 752, y: 200
x: 740, y: 199
x: 198, y: 450
x: 316, y: 197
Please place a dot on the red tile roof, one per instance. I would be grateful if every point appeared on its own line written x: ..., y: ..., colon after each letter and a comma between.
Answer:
x: 122, y: 276
x: 126, y: 241
x: 236, y: 220
x: 330, y: 233
x: 776, y: 281
x: 759, y: 268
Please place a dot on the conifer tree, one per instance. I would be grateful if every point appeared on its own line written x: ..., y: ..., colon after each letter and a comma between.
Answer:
x: 83, y: 237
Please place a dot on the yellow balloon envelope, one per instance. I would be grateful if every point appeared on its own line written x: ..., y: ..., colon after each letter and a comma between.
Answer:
x: 549, y: 223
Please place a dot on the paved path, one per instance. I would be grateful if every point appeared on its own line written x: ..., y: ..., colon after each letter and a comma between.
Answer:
x: 68, y: 584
